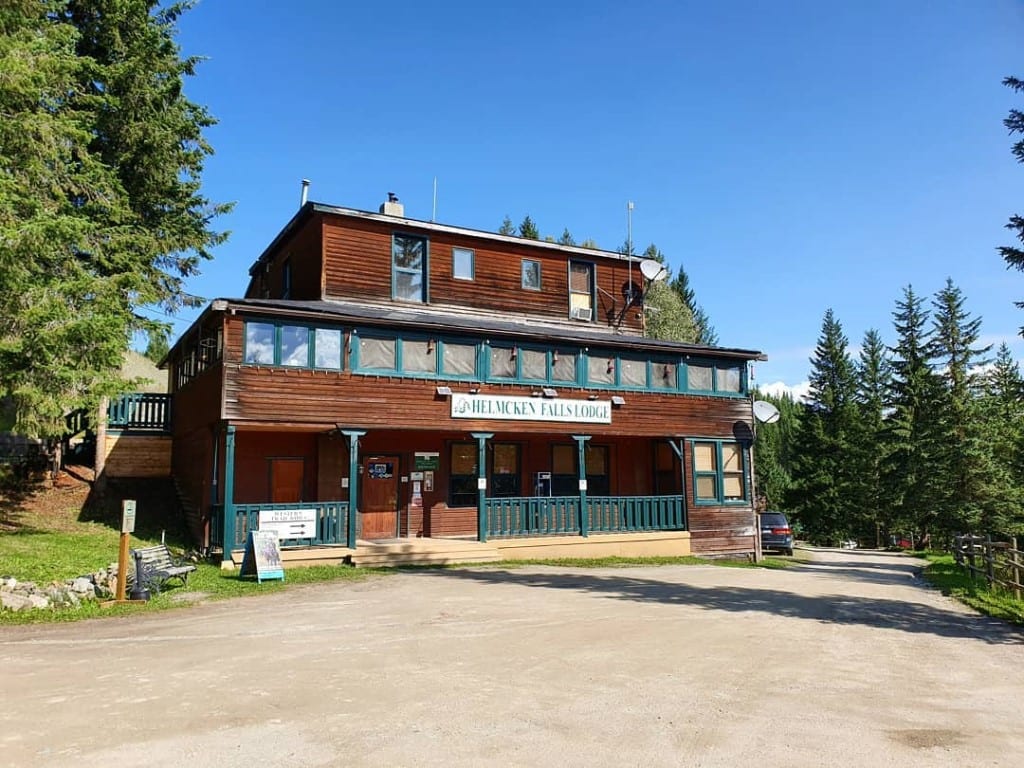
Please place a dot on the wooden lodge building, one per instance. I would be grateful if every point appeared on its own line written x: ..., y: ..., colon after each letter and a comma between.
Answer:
x: 385, y: 377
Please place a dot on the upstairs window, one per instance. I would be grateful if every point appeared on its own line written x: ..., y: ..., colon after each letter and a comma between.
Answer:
x: 409, y: 268
x: 463, y: 263
x: 581, y: 291
x: 725, y: 378
x: 531, y: 275
x: 286, y: 279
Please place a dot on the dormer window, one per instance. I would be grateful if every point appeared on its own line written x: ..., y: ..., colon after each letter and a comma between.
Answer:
x: 409, y: 268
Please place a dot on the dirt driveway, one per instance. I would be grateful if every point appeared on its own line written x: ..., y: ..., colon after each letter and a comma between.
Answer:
x: 846, y: 661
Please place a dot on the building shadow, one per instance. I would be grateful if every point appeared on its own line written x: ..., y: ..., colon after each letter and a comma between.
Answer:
x: 835, y: 609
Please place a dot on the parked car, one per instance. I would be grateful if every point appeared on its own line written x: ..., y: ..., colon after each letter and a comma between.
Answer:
x: 776, y: 533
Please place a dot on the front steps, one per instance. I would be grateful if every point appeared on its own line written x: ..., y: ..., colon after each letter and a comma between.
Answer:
x: 395, y: 552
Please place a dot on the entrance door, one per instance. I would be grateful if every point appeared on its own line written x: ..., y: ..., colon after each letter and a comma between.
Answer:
x: 379, y: 505
x: 286, y: 480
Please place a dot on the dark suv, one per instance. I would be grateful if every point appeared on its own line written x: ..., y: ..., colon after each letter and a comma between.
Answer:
x: 776, y: 533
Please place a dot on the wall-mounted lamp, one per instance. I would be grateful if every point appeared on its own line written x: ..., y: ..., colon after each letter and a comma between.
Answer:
x: 430, y: 346
x: 666, y: 372
x: 536, y: 393
x: 611, y: 365
x: 444, y: 391
x: 474, y: 390
x: 592, y: 396
x: 514, y: 353
x: 554, y: 357
x: 618, y: 400
x: 549, y: 392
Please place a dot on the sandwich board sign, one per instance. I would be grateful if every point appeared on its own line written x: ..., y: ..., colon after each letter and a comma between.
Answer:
x: 262, y: 557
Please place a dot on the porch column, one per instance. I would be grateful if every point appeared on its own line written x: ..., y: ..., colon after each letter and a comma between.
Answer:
x: 481, y: 482
x: 353, y: 482
x: 678, y: 450
x: 581, y: 445
x: 229, y: 492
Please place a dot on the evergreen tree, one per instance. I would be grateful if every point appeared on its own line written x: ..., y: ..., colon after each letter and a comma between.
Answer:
x: 100, y: 210
x: 566, y: 238
x: 507, y: 228
x: 912, y: 429
x: 528, y: 229
x: 821, y: 493
x: 964, y: 466
x: 590, y: 243
x: 773, y: 447
x: 705, y: 331
x: 158, y: 347
x: 1002, y: 412
x: 666, y: 315
x: 873, y: 377
x: 1014, y: 255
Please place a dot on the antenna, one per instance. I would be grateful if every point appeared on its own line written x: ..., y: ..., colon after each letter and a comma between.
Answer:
x: 433, y: 212
x: 629, y: 248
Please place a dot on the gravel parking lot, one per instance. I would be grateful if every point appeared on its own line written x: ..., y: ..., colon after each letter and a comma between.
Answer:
x: 847, y: 660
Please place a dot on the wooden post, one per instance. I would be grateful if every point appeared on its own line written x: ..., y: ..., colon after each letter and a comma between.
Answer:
x: 581, y: 465
x: 353, y: 436
x: 122, y: 568
x: 100, y: 461
x: 229, y: 495
x: 990, y: 560
x: 481, y: 483
x: 1015, y: 560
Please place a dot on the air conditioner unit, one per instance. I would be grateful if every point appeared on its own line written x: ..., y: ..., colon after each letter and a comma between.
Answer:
x: 582, y: 313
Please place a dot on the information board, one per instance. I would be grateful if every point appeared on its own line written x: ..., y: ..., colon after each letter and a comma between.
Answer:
x: 262, y: 557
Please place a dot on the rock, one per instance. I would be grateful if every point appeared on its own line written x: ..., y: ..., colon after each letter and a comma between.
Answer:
x: 8, y: 583
x: 38, y: 601
x: 82, y: 586
x: 14, y: 602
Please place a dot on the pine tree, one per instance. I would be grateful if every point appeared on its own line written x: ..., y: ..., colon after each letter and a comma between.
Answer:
x: 1014, y: 122
x: 1002, y: 413
x: 773, y: 446
x: 873, y: 377
x: 820, y: 496
x: 566, y: 238
x: 666, y: 315
x: 963, y: 457
x: 100, y: 209
x: 705, y: 331
x: 507, y: 228
x: 912, y: 429
x: 528, y: 229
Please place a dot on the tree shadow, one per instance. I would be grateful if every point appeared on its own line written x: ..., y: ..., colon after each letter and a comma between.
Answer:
x: 158, y: 515
x: 878, y: 613
x: 15, y: 492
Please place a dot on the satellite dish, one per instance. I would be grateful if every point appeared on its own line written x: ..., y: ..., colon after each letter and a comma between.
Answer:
x: 765, y: 412
x: 653, y: 270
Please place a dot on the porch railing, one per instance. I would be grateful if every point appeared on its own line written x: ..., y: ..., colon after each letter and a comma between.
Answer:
x: 331, y: 523
x: 140, y: 411
x: 621, y: 514
x: 560, y: 515
x: 533, y: 516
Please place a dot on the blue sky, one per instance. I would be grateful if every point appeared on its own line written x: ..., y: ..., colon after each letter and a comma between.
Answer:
x: 792, y: 156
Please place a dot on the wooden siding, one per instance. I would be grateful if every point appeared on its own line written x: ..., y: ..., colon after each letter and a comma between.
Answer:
x: 357, y: 265
x: 253, y: 450
x: 192, y: 468
x: 137, y: 455
x: 303, y: 249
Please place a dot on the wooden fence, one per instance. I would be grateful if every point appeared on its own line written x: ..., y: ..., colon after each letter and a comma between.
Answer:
x: 999, y: 563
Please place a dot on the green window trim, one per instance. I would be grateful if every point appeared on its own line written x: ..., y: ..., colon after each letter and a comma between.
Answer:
x: 277, y: 340
x: 438, y: 351
x: 717, y: 371
x: 719, y: 475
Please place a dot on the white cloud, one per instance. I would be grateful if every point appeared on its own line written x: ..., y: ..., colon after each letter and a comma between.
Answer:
x: 778, y: 388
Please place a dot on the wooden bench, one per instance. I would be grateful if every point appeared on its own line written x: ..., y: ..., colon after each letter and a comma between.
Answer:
x: 159, y: 567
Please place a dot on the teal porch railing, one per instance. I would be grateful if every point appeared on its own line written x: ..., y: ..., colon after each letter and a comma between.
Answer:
x: 622, y: 514
x: 140, y: 411
x: 532, y: 515
x: 560, y: 515
x: 331, y: 526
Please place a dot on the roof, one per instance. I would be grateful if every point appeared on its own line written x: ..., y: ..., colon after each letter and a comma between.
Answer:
x: 449, y: 319
x: 310, y: 207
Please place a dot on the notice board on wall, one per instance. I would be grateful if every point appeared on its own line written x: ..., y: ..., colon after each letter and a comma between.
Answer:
x: 262, y: 557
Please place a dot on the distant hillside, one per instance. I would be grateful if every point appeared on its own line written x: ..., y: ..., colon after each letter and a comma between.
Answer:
x: 138, y: 366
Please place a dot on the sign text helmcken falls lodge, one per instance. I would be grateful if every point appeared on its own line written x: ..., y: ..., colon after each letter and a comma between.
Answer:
x: 531, y: 409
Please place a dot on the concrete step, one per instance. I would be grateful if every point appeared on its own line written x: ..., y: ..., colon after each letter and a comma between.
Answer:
x: 422, y: 552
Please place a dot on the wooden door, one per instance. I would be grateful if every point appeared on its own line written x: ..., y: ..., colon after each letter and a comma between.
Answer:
x: 286, y: 476
x: 378, y: 507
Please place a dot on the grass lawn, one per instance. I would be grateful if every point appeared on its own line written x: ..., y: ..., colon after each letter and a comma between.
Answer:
x: 943, y: 572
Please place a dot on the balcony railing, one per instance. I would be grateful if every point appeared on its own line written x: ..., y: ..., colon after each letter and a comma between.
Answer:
x: 331, y: 523
x: 140, y: 412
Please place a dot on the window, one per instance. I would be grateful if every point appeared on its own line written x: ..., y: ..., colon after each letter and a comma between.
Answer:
x: 581, y: 290
x: 564, y: 481
x: 377, y: 353
x: 664, y: 375
x: 531, y: 275
x: 726, y: 378
x: 601, y: 369
x: 259, y: 343
x: 286, y: 279
x: 533, y: 365
x: 462, y: 263
x: 596, y: 458
x: 418, y: 356
x: 505, y: 470
x: 295, y: 346
x: 459, y: 359
x: 504, y: 362
x: 409, y: 268
x: 718, y: 475
x: 633, y: 372
x: 327, y: 342
x: 563, y: 367
x: 462, y: 475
